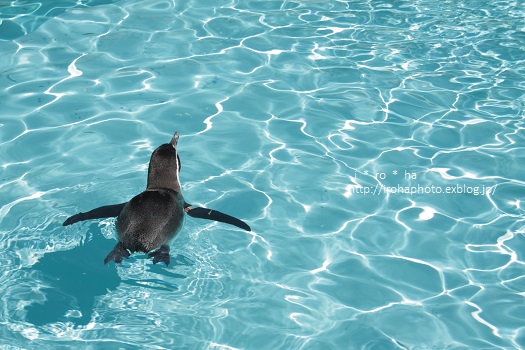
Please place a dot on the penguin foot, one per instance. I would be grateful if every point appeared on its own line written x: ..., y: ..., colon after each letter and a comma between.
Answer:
x: 161, y: 255
x: 117, y: 254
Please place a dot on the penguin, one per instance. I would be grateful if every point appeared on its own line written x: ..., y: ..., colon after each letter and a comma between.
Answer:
x: 151, y: 219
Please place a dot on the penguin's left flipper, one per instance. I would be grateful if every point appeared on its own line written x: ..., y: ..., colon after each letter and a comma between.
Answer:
x: 107, y: 211
x: 205, y: 213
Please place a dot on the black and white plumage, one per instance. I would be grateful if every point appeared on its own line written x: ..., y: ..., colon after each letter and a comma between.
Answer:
x: 153, y: 218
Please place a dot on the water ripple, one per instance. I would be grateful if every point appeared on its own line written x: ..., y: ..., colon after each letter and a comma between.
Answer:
x: 374, y: 147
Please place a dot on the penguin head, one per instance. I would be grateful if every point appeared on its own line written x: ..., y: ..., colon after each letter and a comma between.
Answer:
x: 164, y: 166
x: 175, y: 139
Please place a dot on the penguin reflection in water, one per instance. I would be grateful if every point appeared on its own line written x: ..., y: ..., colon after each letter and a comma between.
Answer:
x: 151, y: 219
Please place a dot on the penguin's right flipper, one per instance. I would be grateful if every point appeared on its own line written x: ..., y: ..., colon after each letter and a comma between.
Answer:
x: 107, y: 211
x: 210, y: 214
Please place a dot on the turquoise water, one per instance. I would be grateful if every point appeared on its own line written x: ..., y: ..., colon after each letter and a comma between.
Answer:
x: 374, y: 147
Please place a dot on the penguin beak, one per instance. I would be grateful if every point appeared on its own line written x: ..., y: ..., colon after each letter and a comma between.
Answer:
x: 175, y: 139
